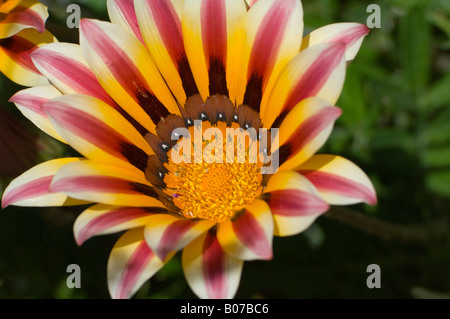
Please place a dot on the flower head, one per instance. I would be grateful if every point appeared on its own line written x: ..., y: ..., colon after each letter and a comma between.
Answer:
x: 167, y: 78
x: 22, y: 30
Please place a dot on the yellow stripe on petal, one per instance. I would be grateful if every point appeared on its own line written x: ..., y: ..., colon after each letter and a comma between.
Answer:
x: 98, y: 131
x: 352, y: 34
x: 209, y: 270
x: 339, y: 181
x: 126, y: 71
x: 30, y: 101
x: 32, y: 188
x: 106, y: 184
x: 294, y: 202
x: 248, y: 236
x: 15, y: 60
x: 103, y: 219
x: 131, y: 264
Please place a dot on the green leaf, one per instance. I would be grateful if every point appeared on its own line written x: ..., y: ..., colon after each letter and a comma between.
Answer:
x: 438, y: 95
x: 439, y: 183
x: 437, y: 158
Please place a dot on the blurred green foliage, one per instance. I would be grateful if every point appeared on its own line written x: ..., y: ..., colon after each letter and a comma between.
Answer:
x: 395, y: 125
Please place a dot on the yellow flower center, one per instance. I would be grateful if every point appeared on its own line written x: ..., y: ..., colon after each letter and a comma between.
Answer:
x: 212, y: 190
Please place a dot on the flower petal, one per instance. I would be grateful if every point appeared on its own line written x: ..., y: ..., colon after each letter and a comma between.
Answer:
x: 274, y: 36
x: 27, y: 14
x: 127, y: 72
x: 316, y: 71
x: 32, y: 187
x: 249, y: 235
x: 106, y: 184
x: 15, y: 60
x: 166, y: 233
x: 131, y: 264
x: 160, y: 23
x: 210, y: 30
x: 339, y: 181
x: 103, y: 219
x: 63, y: 64
x: 29, y: 102
x: 305, y: 130
x: 97, y: 131
x: 209, y: 271
x: 352, y: 34
x: 294, y: 202
x: 123, y: 13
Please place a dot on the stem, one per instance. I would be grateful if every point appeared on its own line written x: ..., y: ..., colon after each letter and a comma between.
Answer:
x: 390, y: 231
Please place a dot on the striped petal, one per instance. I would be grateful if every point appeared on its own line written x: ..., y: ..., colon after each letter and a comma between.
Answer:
x: 160, y: 23
x: 32, y: 187
x: 294, y: 202
x: 131, y: 264
x: 106, y: 184
x: 305, y: 130
x: 352, y: 34
x: 316, y: 71
x: 123, y: 13
x: 166, y: 233
x: 63, y: 64
x: 30, y: 101
x: 97, y: 131
x: 126, y: 71
x: 104, y: 219
x: 26, y: 14
x: 339, y: 181
x: 15, y: 60
x: 211, y: 29
x: 274, y: 36
x: 251, y: 2
x: 249, y: 235
x: 209, y: 270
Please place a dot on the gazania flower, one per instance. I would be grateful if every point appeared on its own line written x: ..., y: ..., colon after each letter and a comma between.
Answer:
x: 22, y: 30
x: 163, y: 66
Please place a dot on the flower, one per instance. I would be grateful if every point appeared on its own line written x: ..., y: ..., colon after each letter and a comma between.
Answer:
x: 160, y: 66
x: 22, y: 30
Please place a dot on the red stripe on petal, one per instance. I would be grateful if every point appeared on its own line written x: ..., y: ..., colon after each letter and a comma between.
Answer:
x: 109, y: 220
x: 214, y: 30
x: 36, y: 188
x: 296, y: 203
x: 332, y: 183
x: 214, y: 267
x: 172, y: 236
x: 26, y: 16
x: 316, y: 76
x: 19, y: 50
x: 134, y: 268
x: 126, y: 7
x: 352, y: 36
x: 77, y: 75
x: 31, y: 102
x: 252, y: 235
x: 169, y: 28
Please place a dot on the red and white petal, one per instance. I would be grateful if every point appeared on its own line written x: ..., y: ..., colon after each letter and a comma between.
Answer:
x: 126, y: 71
x: 166, y: 233
x: 105, y: 183
x: 339, y: 181
x: 249, y: 235
x: 209, y: 270
x: 103, y: 219
x: 160, y: 22
x: 63, y: 64
x: 294, y: 202
x: 97, y: 131
x: 352, y: 34
x: 123, y: 13
x: 32, y: 188
x: 251, y: 2
x: 26, y: 14
x: 131, y: 264
x: 305, y: 130
x: 15, y: 60
x: 316, y: 71
x: 211, y: 29
x: 30, y: 101
x: 274, y: 36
